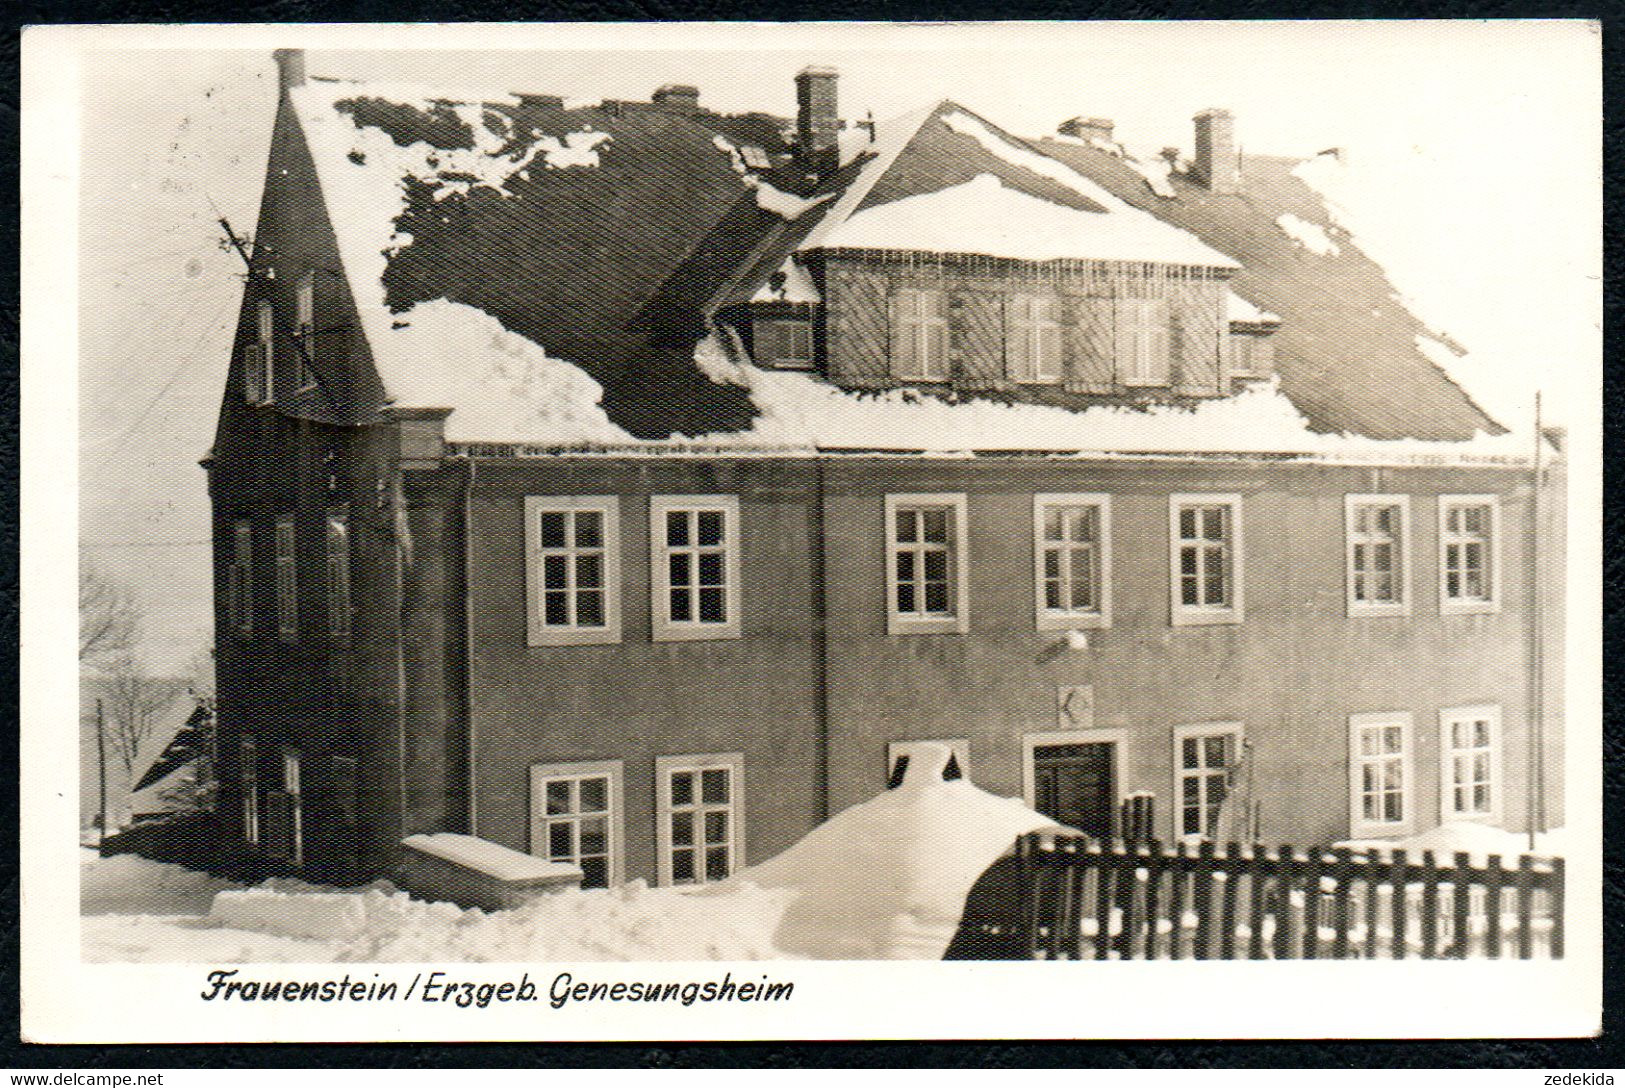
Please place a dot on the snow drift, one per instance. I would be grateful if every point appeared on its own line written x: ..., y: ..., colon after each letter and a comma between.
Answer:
x: 887, y: 879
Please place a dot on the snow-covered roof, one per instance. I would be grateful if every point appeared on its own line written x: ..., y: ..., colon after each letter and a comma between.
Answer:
x: 543, y: 272
x: 491, y: 858
x: 1239, y: 311
x: 985, y: 217
x: 1346, y: 350
x: 790, y: 283
x: 999, y: 210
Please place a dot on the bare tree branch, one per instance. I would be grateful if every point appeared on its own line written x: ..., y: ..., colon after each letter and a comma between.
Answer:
x: 134, y: 702
x: 108, y: 619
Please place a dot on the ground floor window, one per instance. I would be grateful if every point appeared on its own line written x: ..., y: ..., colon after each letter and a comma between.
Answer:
x: 284, y: 831
x: 1380, y: 790
x: 249, y: 782
x: 1204, y: 758
x: 898, y: 753
x: 1470, y: 780
x: 698, y: 811
x: 576, y: 818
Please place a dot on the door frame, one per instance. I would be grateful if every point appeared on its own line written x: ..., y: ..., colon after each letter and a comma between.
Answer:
x: 1117, y: 738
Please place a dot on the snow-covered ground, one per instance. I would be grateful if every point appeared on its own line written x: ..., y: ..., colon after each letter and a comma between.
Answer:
x: 884, y: 879
x: 1480, y: 841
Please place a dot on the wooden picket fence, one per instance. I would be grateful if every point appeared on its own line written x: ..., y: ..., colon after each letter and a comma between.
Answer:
x: 1081, y: 899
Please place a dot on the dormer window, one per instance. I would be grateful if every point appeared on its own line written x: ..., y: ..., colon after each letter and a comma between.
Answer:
x: 783, y: 342
x: 304, y: 331
x: 1143, y: 342
x: 258, y: 375
x: 1033, y: 344
x: 920, y: 334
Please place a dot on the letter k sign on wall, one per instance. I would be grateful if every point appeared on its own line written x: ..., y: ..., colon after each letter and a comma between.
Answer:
x: 1077, y: 706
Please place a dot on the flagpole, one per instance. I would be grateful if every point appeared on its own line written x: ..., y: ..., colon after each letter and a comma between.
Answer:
x: 1536, y: 787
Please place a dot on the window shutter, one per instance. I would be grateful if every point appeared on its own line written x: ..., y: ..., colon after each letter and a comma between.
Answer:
x: 937, y: 347
x: 1128, y: 342
x: 1158, y: 342
x: 1018, y: 339
x: 901, y: 331
x: 1050, y: 347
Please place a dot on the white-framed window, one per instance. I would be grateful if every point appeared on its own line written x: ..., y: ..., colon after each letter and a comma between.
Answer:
x: 1204, y: 534
x: 1144, y: 338
x: 337, y: 563
x: 920, y: 334
x: 304, y: 330
x: 1469, y: 553
x: 287, y: 579
x: 240, y: 579
x: 576, y: 816
x: 784, y: 342
x: 699, y: 810
x: 694, y: 566
x: 259, y: 374
x: 1033, y: 338
x: 1204, y: 760
x: 900, y: 752
x: 574, y: 569
x: 1378, y: 554
x: 1470, y: 783
x: 248, y: 779
x: 1072, y: 554
x: 1381, y: 781
x: 926, y: 564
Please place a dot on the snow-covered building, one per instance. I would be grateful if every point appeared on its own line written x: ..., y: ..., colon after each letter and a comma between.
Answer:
x: 632, y: 483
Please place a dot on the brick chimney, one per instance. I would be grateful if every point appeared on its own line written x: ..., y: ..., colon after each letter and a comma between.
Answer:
x: 818, y: 122
x: 1218, y: 163
x: 1087, y: 128
x: 290, y: 67
x: 678, y: 98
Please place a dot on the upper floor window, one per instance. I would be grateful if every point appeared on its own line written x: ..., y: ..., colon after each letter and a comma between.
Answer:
x: 1071, y: 544
x: 287, y: 579
x: 926, y: 563
x: 1144, y: 337
x: 338, y: 575
x: 1033, y: 338
x: 695, y: 566
x: 304, y: 331
x: 1470, y: 784
x: 1469, y: 553
x: 259, y: 358
x: 920, y: 334
x: 1380, y: 782
x: 1378, y: 528
x: 574, y: 545
x: 240, y: 579
x: 1205, y: 538
x: 782, y: 342
x: 698, y: 810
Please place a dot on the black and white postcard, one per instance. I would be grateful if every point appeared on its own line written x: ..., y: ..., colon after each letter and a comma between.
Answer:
x: 1059, y: 530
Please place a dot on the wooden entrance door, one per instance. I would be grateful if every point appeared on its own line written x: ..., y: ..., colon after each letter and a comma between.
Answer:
x: 1075, y: 785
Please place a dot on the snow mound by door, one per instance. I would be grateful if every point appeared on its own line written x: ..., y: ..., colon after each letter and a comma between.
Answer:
x: 887, y: 879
